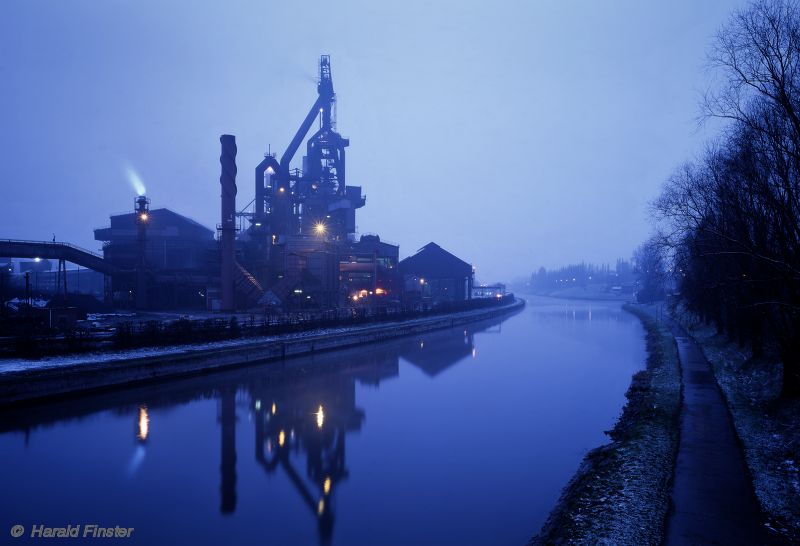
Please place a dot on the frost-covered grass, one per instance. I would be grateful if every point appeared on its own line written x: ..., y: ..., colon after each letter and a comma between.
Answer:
x: 621, y: 492
x: 768, y: 425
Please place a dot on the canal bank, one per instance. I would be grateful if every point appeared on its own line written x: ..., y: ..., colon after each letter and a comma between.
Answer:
x: 94, y: 372
x: 621, y: 491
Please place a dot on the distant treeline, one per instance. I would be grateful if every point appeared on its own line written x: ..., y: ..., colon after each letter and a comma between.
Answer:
x: 582, y: 275
x: 732, y: 218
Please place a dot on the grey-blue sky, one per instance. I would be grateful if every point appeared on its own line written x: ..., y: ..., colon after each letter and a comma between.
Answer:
x: 514, y: 133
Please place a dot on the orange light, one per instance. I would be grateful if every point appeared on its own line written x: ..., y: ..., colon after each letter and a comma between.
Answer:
x: 143, y: 217
x: 380, y: 291
x: 144, y: 424
x: 326, y: 485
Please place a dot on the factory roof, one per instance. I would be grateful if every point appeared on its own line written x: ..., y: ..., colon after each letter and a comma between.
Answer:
x: 162, y: 222
x: 435, y: 262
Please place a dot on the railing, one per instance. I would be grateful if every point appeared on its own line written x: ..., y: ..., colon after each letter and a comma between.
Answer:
x: 35, y: 342
x: 153, y: 333
x: 52, y: 244
x: 370, y: 233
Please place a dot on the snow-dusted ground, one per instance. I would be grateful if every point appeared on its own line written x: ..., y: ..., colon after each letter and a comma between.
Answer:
x: 20, y: 364
x: 768, y: 426
x: 621, y: 492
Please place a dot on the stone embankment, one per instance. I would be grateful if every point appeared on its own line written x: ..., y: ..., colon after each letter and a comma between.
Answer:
x: 36, y: 380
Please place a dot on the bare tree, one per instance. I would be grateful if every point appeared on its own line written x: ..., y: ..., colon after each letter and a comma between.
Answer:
x: 732, y: 219
x: 651, y: 271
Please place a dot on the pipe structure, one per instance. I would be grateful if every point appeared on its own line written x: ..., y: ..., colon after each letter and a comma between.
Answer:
x: 261, y: 194
x: 142, y: 215
x: 323, y: 105
x: 227, y: 180
x: 322, y: 102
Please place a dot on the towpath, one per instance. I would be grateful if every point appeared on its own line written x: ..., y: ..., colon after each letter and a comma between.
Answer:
x: 712, y: 499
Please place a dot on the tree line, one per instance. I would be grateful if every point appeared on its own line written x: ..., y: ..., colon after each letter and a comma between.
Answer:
x: 730, y: 220
x: 581, y: 275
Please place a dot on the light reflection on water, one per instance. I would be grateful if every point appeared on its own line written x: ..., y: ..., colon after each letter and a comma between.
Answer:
x: 462, y: 436
x: 144, y: 424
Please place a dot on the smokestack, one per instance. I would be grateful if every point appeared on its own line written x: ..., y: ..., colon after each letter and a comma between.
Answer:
x: 228, y: 220
x: 142, y: 215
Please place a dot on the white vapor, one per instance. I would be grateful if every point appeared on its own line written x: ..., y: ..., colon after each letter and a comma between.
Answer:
x: 135, y: 180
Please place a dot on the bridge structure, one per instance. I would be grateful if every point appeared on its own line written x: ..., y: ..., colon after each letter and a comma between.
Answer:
x: 14, y: 248
x: 63, y: 252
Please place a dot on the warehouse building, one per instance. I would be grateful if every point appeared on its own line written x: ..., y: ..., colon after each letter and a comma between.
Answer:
x: 433, y: 276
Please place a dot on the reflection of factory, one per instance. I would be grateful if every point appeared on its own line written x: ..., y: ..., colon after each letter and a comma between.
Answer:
x: 438, y: 351
x: 301, y: 413
x: 312, y: 418
x: 293, y: 247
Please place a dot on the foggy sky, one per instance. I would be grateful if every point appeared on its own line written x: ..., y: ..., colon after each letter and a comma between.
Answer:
x: 514, y: 134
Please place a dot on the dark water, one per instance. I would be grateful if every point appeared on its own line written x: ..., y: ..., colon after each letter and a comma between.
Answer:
x: 453, y: 437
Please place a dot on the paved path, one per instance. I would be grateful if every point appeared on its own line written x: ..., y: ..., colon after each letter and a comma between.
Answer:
x: 712, y: 498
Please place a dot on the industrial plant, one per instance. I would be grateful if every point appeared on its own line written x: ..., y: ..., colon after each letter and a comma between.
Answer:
x: 293, y: 247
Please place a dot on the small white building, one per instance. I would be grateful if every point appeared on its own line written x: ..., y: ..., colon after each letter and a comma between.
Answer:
x: 497, y: 290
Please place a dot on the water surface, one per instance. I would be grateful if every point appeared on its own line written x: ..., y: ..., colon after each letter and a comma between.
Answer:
x: 462, y: 436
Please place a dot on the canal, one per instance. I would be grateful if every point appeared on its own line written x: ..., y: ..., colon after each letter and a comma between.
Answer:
x: 462, y: 436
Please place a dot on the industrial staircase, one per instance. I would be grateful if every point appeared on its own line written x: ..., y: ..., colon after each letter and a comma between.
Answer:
x: 247, y: 286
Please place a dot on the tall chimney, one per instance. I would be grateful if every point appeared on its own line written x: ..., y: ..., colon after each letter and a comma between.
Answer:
x: 228, y: 220
x: 142, y: 215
